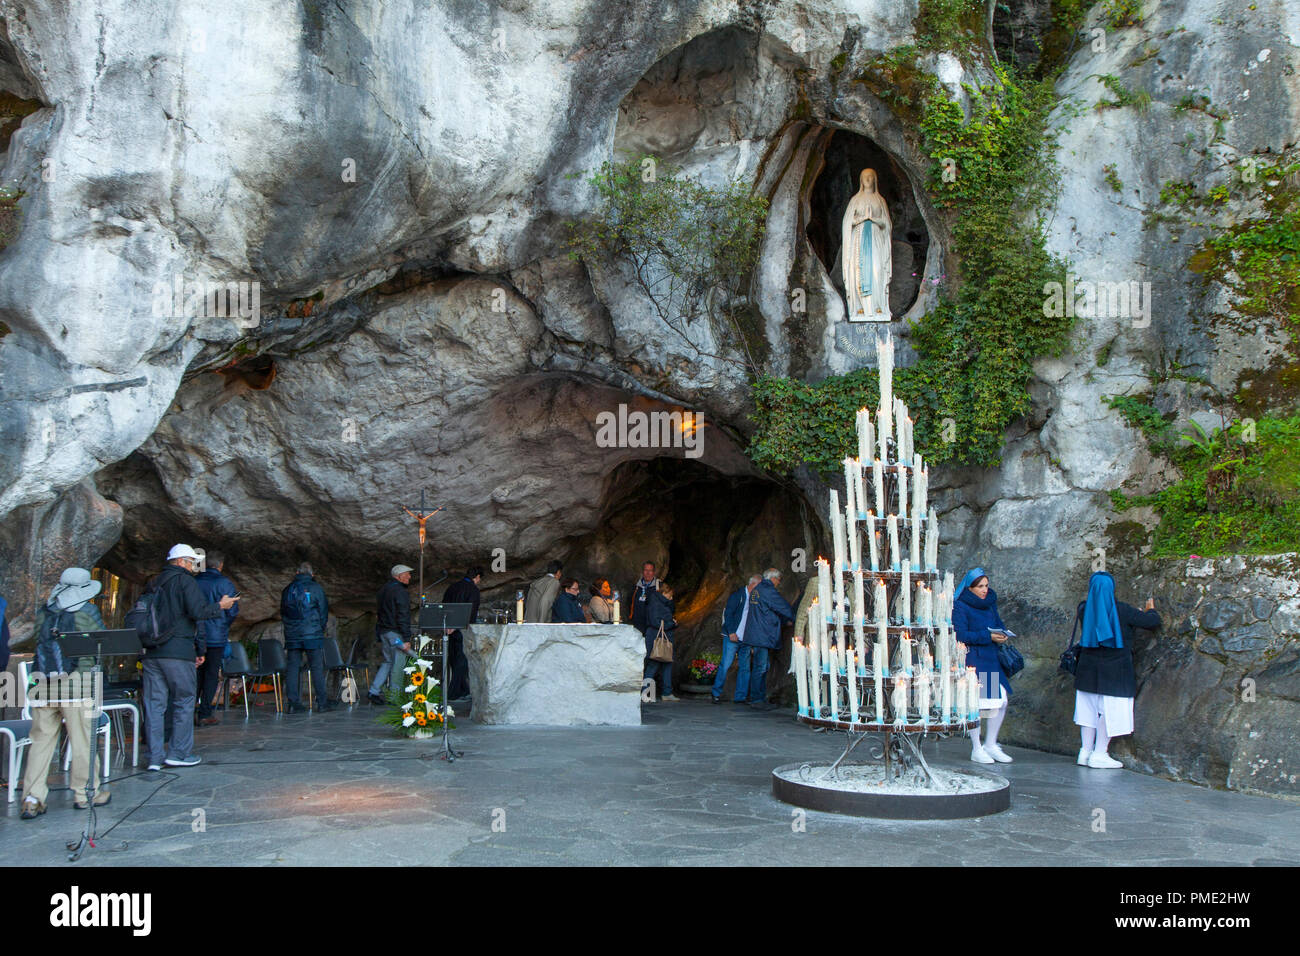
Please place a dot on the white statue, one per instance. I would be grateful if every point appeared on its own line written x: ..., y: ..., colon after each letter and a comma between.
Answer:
x: 866, y: 255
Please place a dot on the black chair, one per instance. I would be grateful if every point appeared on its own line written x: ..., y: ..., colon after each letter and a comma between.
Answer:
x: 355, y: 664
x: 271, y: 663
x: 334, y: 664
x: 236, y: 666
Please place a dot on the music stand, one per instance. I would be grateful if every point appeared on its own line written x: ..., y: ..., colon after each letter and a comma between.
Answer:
x: 94, y: 644
x: 444, y: 618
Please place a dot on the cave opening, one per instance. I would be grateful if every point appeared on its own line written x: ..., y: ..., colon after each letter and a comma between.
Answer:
x: 846, y: 155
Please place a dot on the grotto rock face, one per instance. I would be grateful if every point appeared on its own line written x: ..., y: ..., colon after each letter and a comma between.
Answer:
x: 397, y: 179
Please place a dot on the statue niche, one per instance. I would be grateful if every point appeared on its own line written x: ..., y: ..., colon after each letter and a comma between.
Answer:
x: 866, y: 256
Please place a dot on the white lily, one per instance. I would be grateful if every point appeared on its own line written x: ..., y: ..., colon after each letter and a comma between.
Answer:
x: 424, y: 665
x: 407, y: 721
x: 408, y: 670
x: 410, y: 688
x: 407, y: 705
x: 448, y: 712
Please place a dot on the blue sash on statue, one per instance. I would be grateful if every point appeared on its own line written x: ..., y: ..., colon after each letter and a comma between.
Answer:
x: 864, y: 260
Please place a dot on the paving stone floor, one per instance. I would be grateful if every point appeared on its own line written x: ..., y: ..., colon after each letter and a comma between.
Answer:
x: 691, y: 786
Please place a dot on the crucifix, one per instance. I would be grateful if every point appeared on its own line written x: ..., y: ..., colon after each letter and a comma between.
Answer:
x: 422, y: 516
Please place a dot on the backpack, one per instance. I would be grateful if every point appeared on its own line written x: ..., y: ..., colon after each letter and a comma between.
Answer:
x: 299, y: 597
x: 49, y: 655
x: 148, y: 619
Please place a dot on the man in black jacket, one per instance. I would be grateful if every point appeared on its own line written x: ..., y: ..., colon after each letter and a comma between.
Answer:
x: 640, y: 593
x: 464, y: 591
x: 393, y: 629
x: 169, y: 669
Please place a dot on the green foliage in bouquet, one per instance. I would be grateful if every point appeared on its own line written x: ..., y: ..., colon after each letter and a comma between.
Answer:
x: 418, y: 705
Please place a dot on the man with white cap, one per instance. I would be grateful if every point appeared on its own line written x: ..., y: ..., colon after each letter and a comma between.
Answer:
x: 68, y: 609
x: 170, y: 679
x: 393, y: 628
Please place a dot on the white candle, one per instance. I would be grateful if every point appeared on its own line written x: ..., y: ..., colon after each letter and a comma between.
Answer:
x: 859, y: 615
x: 873, y: 539
x: 878, y: 667
x: 823, y: 598
x: 923, y: 695
x: 931, y: 542
x: 866, y: 438
x: 894, y: 556
x: 852, y: 668
x: 906, y: 645
x: 618, y: 607
x: 850, y: 487
x: 801, y: 675
x: 916, y: 541
x: 900, y: 429
x: 837, y: 531
x: 816, y: 625
x: 882, y: 438
x: 945, y: 690
x: 907, y: 593
x: 972, y: 693
x: 878, y: 478
x: 907, y: 430
x: 859, y: 489
x: 855, y: 539
x: 959, y: 699
x: 519, y: 608
x: 947, y: 597
x: 899, y: 701
x: 921, y: 497
x: 834, y: 696
x: 885, y: 360
x: 840, y: 610
x: 881, y: 603
x: 902, y: 491
x: 882, y: 642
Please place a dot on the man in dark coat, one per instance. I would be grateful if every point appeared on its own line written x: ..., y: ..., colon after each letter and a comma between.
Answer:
x: 216, y: 633
x: 767, y: 611
x: 639, y: 595
x: 304, y: 612
x: 734, y: 620
x: 464, y: 591
x: 169, y: 669
x: 393, y: 629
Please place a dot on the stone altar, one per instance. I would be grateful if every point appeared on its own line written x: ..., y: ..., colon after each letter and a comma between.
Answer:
x: 556, y: 674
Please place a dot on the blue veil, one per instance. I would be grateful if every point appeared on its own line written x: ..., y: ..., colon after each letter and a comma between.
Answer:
x: 1100, y: 614
x: 973, y: 575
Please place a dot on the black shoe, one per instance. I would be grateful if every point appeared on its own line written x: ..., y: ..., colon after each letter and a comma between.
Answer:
x: 292, y: 708
x: 322, y: 708
x: 716, y: 700
x: 377, y: 700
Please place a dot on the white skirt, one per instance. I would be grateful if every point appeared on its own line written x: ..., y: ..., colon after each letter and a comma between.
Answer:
x: 1090, y: 709
x: 993, y: 703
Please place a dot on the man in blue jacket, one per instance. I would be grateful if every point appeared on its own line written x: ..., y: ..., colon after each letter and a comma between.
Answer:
x: 216, y: 630
x: 304, y: 613
x: 767, y: 610
x: 734, y: 621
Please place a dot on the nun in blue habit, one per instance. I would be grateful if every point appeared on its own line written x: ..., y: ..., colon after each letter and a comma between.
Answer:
x: 1104, y: 681
x: 976, y: 621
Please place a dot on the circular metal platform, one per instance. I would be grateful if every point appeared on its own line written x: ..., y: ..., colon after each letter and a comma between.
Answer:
x: 919, y: 804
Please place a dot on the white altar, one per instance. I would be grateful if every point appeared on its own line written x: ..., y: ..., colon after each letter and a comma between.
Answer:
x: 555, y: 674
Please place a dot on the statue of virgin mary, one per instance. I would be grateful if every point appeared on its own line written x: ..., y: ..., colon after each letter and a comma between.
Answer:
x: 867, y: 258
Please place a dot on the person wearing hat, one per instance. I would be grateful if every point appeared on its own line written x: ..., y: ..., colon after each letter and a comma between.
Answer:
x: 393, y: 629
x: 170, y: 677
x: 977, y: 624
x: 68, y: 609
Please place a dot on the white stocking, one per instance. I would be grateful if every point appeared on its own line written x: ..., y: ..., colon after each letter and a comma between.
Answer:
x: 1088, y: 737
x: 995, y: 724
x: 1103, y: 741
x: 975, y: 736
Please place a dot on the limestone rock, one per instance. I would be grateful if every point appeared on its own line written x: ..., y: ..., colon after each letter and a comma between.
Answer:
x: 555, y: 674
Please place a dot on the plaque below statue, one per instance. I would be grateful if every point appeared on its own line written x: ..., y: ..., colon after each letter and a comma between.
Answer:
x: 867, y: 255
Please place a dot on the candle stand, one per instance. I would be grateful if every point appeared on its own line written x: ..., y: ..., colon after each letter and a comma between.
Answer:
x: 881, y: 662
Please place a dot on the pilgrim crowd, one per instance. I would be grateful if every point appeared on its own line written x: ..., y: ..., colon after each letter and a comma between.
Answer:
x: 180, y: 674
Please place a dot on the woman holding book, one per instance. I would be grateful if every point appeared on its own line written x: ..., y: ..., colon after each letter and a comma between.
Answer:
x: 977, y: 625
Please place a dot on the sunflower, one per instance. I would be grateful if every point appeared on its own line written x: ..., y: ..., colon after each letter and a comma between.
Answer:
x: 417, y: 678
x: 420, y: 698
x: 419, y: 719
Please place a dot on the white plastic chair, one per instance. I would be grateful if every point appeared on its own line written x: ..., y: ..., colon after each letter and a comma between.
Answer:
x: 19, y: 733
x: 113, y: 707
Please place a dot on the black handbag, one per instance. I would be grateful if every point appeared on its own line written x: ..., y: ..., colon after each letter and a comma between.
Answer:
x: 1070, y: 656
x: 1010, y: 660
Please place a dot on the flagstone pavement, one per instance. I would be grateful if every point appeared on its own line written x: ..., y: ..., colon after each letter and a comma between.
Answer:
x: 691, y: 786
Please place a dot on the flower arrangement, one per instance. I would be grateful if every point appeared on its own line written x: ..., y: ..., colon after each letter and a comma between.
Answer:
x: 417, y: 708
x: 705, y: 667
